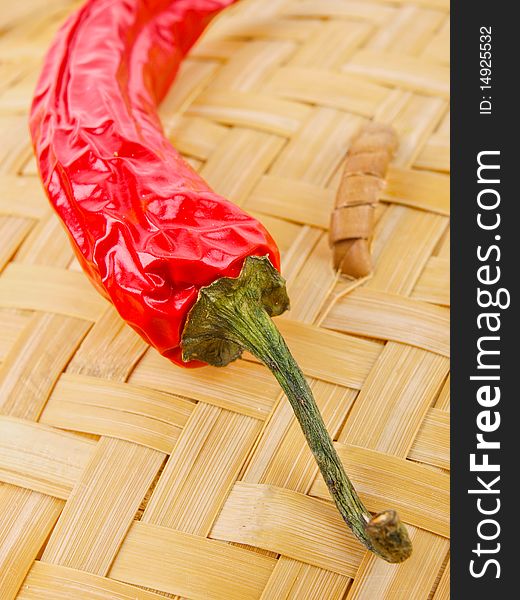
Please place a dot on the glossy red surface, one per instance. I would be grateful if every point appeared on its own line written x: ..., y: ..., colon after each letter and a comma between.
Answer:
x: 146, y: 228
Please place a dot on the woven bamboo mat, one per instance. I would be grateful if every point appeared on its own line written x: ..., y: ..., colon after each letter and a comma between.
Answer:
x: 125, y: 477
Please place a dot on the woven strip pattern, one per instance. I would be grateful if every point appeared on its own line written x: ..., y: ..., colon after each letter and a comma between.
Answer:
x: 125, y: 477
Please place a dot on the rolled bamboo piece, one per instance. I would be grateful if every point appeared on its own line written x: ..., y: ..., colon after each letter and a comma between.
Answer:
x: 363, y: 179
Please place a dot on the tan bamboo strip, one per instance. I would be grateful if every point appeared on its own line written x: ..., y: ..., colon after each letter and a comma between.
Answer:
x: 201, y: 470
x: 220, y: 567
x: 216, y: 48
x: 327, y: 88
x: 105, y: 499
x: 12, y: 323
x: 405, y: 239
x: 326, y: 355
x: 403, y: 399
x: 385, y: 316
x: 443, y: 401
x: 281, y: 458
x: 418, y: 573
x: 13, y: 230
x: 250, y: 65
x: 251, y: 152
x: 251, y: 109
x: 417, y: 492
x: 434, y: 284
x: 225, y: 388
x: 15, y: 148
x: 316, y: 279
x: 304, y: 202
x: 22, y: 197
x: 51, y: 463
x: 27, y: 519
x: 46, y: 581
x: 193, y: 77
x: 331, y: 45
x: 293, y: 580
x: 297, y: 255
x: 291, y: 524
x: 283, y: 232
x: 432, y: 444
x: 197, y: 137
x: 30, y: 370
x: 50, y: 290
x: 370, y: 11
x: 443, y: 589
x: 111, y: 349
x: 419, y: 189
x: 47, y: 244
x: 103, y: 407
x: 315, y: 152
x: 408, y: 31
x: 261, y: 26
x: 416, y: 119
x: 438, y: 47
x: 411, y: 73
x: 435, y: 154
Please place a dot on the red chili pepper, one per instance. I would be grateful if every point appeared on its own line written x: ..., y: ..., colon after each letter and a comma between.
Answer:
x: 191, y: 272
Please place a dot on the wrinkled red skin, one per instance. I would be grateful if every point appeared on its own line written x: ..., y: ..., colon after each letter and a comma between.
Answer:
x: 147, y: 230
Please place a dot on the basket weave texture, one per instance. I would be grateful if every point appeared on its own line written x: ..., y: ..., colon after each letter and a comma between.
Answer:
x: 125, y: 477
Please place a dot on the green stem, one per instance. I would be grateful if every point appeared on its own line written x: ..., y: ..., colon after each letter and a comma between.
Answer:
x: 234, y: 314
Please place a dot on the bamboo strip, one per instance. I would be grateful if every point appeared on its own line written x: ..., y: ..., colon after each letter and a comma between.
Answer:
x: 283, y: 521
x: 201, y: 470
x: 47, y: 244
x: 432, y: 444
x: 408, y: 31
x: 399, y: 390
x: 443, y: 589
x: 316, y: 151
x: 434, y: 284
x: 193, y: 77
x: 46, y: 581
x: 304, y: 202
x: 242, y: 387
x: 414, y: 578
x: 251, y: 109
x: 347, y: 9
x: 416, y: 119
x: 27, y: 519
x: 273, y: 27
x: 102, y: 505
x: 282, y: 457
x: 405, y: 239
x: 443, y: 401
x: 239, y: 162
x: 435, y: 154
x: 102, y: 407
x: 50, y: 289
x: 298, y: 253
x: 293, y: 580
x: 336, y: 358
x: 111, y: 349
x: 13, y: 230
x: 438, y: 48
x: 419, y: 189
x: 22, y: 197
x: 331, y: 44
x: 327, y: 88
x: 316, y: 279
x: 408, y: 72
x: 197, y: 137
x: 221, y: 569
x: 249, y: 66
x: 418, y: 493
x: 51, y: 463
x: 384, y: 316
x: 36, y: 360
x: 12, y: 323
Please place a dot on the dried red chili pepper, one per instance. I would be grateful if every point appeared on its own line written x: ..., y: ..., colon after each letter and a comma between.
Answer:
x: 191, y: 272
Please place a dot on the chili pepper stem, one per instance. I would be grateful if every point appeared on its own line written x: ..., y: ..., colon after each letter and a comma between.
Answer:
x: 234, y: 314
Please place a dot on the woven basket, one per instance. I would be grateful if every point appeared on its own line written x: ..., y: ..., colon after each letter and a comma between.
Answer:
x: 125, y: 477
